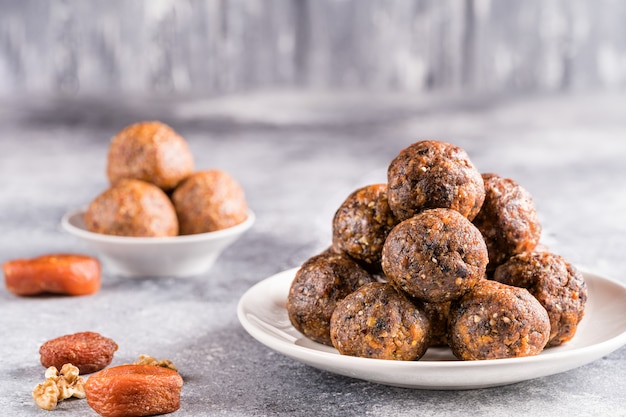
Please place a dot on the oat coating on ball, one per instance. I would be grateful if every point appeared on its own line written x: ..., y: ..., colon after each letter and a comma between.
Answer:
x: 435, y: 256
x: 149, y: 151
x: 507, y: 220
x: 320, y: 283
x: 555, y: 283
x: 132, y: 208
x: 433, y: 174
x: 362, y: 223
x: 496, y: 321
x: 378, y: 321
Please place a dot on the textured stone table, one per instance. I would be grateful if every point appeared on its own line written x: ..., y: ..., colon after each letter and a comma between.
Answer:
x: 298, y: 156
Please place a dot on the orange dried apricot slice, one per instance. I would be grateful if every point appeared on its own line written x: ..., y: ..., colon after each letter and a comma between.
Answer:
x: 69, y: 274
x: 134, y: 390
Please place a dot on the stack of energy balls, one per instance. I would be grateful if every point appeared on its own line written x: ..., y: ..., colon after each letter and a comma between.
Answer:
x: 439, y: 256
x: 155, y: 192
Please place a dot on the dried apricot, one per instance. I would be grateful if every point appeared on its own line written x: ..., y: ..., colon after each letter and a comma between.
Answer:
x: 134, y: 390
x: 88, y: 351
x: 59, y: 273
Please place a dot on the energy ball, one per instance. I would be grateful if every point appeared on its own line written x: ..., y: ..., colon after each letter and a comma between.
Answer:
x: 555, y: 283
x: 507, y: 220
x: 208, y: 201
x: 377, y: 321
x: 438, y: 314
x: 496, y: 321
x: 432, y: 174
x: 362, y: 223
x: 132, y: 208
x: 320, y: 283
x: 435, y: 256
x: 149, y: 151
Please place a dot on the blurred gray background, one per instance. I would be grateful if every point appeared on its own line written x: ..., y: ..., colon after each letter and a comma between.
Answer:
x: 216, y: 47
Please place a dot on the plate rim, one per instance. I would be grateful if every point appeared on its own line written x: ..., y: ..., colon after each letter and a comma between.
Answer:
x: 589, y: 353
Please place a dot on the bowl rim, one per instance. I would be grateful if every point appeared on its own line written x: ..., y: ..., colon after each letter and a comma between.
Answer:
x: 76, y: 230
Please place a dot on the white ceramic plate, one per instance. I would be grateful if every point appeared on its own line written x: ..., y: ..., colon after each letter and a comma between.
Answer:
x: 262, y: 313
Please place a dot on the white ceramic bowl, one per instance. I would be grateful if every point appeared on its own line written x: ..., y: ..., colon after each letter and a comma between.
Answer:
x: 177, y: 256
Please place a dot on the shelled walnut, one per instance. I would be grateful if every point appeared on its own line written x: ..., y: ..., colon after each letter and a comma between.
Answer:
x: 58, y: 386
x: 149, y: 360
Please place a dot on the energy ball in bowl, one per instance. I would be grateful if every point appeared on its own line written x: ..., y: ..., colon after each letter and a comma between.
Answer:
x: 432, y: 174
x: 555, y: 283
x: 362, y: 223
x: 378, y: 321
x: 435, y: 256
x: 496, y: 321
x: 320, y: 283
x: 149, y: 151
x: 132, y: 208
x: 507, y: 220
x: 208, y: 201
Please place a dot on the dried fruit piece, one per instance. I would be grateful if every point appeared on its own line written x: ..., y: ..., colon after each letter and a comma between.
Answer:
x: 58, y: 386
x: 58, y: 273
x: 89, y: 351
x: 134, y: 390
x: 149, y: 360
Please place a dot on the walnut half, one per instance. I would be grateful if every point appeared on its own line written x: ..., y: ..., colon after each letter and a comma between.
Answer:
x: 149, y: 360
x: 58, y: 386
